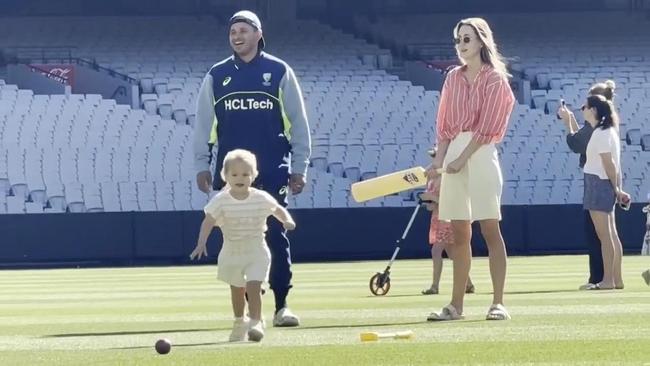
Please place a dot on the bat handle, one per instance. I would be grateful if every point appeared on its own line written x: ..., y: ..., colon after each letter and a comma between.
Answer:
x: 403, y: 335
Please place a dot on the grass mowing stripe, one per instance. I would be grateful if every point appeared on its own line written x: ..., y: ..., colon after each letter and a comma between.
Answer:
x: 113, y: 316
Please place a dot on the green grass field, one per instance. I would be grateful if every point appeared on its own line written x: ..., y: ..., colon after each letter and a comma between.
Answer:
x: 114, y: 316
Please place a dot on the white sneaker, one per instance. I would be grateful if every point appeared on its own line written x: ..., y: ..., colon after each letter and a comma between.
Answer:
x: 587, y: 286
x: 256, y: 331
x: 285, y: 318
x: 263, y: 320
x: 239, y: 330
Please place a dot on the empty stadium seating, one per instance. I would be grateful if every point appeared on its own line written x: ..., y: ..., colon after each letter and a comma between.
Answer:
x: 561, y: 63
x: 82, y: 153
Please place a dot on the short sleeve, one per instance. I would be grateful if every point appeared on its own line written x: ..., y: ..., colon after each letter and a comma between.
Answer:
x: 268, y: 202
x: 214, y: 206
x: 604, y: 141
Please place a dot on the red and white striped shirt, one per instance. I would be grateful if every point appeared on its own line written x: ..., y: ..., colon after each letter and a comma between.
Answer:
x: 483, y: 107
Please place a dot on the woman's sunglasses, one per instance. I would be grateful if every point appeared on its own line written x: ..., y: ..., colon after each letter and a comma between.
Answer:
x: 464, y: 40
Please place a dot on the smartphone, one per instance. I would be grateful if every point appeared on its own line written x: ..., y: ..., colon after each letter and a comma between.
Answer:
x: 625, y: 205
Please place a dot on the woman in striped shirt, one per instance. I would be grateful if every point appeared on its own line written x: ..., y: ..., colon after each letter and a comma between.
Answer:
x: 475, y: 106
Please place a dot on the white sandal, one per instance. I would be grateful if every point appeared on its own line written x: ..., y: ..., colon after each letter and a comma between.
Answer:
x: 448, y: 312
x: 497, y: 312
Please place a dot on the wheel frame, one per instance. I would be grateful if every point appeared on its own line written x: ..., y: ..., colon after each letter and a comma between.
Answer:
x: 377, y: 290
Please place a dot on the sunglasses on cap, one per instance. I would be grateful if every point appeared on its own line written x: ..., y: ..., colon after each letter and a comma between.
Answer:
x: 465, y: 40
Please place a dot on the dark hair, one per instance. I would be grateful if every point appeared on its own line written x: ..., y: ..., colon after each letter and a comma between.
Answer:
x: 605, y: 112
x: 606, y: 89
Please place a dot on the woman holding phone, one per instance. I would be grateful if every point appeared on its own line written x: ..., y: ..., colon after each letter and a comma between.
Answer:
x: 603, y: 184
x: 577, y: 140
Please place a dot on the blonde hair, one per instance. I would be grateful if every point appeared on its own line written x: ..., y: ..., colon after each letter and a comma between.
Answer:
x: 489, y: 52
x: 242, y: 155
x: 606, y: 89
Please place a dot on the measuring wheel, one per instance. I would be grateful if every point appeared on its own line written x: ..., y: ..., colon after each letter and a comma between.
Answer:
x: 380, y: 284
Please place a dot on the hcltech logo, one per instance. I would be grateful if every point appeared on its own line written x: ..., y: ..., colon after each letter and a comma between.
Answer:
x: 247, y: 104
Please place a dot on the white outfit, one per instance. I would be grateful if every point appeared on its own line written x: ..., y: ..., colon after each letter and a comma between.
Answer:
x: 474, y: 193
x: 602, y: 141
x: 244, y: 255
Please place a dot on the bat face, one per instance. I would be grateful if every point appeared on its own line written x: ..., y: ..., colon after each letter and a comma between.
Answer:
x: 389, y: 184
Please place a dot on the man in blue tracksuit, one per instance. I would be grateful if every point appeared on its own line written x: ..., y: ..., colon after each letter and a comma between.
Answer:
x: 252, y: 101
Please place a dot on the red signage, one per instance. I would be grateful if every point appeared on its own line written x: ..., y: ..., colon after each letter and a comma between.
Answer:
x: 63, y: 73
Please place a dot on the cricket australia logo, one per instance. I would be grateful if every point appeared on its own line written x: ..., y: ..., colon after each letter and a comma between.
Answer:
x: 226, y: 81
x: 411, y: 178
x: 267, y: 79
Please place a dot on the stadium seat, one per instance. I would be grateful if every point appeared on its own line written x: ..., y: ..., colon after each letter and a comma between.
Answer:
x: 645, y: 142
x: 15, y: 205
x: 633, y: 136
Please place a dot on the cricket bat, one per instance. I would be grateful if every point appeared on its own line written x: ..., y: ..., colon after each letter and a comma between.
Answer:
x: 374, y: 336
x: 389, y: 184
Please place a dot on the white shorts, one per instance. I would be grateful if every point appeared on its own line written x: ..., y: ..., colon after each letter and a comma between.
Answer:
x: 474, y: 193
x: 236, y: 267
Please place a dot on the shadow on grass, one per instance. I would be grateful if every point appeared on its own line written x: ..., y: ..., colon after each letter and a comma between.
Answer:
x: 366, y: 325
x: 182, y: 345
x: 404, y: 295
x: 540, y: 292
x: 163, y: 331
x: 485, y: 293
x: 135, y: 332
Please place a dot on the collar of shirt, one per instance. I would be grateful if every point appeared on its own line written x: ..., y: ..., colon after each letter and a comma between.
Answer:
x: 483, y: 70
x: 239, y: 63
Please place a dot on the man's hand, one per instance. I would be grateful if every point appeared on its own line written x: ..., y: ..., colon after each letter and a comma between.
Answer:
x: 296, y: 183
x: 204, y: 181
x: 200, y: 251
x: 289, y: 225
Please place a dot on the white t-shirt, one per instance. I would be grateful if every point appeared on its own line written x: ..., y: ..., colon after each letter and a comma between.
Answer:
x: 242, y: 220
x: 602, y: 141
